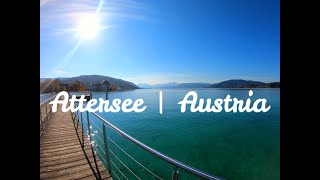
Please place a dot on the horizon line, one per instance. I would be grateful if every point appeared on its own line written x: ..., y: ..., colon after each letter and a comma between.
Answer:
x: 216, y: 81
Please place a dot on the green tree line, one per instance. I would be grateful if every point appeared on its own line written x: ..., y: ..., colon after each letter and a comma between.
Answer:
x: 54, y: 85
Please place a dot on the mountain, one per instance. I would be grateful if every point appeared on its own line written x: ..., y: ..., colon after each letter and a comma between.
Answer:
x: 174, y: 85
x: 145, y: 86
x: 193, y: 85
x: 234, y: 83
x: 156, y: 86
x: 43, y: 79
x: 239, y: 83
x: 93, y: 79
x: 274, y: 85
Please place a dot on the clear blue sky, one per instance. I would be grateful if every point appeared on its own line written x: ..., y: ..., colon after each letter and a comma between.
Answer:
x: 158, y: 41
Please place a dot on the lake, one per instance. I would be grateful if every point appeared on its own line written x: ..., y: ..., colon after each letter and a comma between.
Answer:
x: 240, y: 146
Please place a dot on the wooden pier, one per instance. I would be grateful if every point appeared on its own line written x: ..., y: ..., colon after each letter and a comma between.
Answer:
x: 87, y: 95
x: 61, y: 154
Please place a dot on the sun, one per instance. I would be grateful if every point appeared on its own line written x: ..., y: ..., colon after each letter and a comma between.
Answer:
x: 88, y: 26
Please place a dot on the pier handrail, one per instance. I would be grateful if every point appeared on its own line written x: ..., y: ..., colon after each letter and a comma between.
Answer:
x: 44, y: 97
x: 48, y: 111
x: 47, y: 100
x: 160, y: 155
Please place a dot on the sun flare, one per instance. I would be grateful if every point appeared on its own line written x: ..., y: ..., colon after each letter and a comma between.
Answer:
x: 88, y: 26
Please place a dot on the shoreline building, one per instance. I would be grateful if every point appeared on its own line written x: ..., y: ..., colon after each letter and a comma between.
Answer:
x: 103, y: 86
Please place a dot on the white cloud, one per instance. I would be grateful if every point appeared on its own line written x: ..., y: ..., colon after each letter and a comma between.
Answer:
x: 59, y: 73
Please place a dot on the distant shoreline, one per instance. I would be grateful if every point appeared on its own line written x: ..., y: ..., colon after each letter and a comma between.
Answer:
x: 85, y: 82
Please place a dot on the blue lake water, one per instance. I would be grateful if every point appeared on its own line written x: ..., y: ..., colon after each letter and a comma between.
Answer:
x: 229, y: 145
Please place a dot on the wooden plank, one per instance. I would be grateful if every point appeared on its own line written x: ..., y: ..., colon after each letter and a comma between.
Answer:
x: 61, y: 154
x: 44, y: 147
x: 62, y: 161
x: 58, y: 142
x: 62, y: 166
x: 56, y: 153
x: 58, y: 149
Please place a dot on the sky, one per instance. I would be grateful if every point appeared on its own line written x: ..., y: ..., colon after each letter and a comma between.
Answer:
x: 160, y: 41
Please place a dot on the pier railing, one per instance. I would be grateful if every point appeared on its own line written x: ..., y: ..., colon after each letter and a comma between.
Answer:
x: 45, y: 110
x: 94, y: 132
x: 44, y: 97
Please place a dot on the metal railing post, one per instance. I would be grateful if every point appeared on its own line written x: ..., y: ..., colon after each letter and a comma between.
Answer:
x: 48, y: 112
x: 80, y: 118
x: 106, y: 146
x: 77, y: 127
x: 94, y: 156
x: 50, y: 109
x: 74, y: 119
x: 175, y: 174
x: 75, y: 115
x: 40, y: 116
x: 82, y: 132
